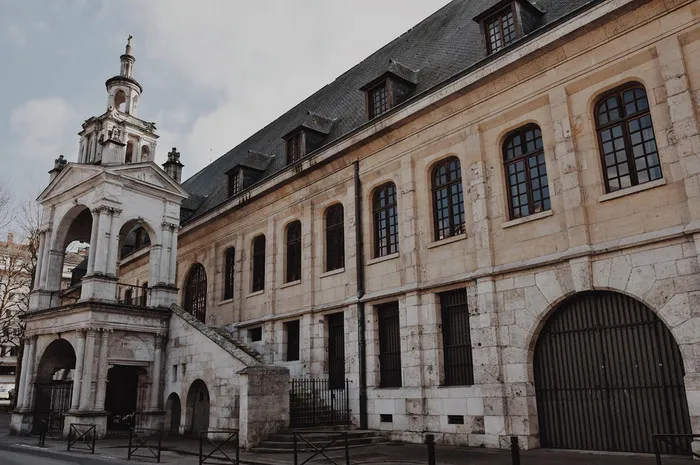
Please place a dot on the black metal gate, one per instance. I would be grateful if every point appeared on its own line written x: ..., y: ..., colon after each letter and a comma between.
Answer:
x: 608, y: 375
x: 336, y: 351
x: 52, y: 401
x: 313, y: 402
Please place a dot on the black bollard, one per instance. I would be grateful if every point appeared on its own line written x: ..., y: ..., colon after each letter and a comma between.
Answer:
x: 514, y: 450
x: 430, y: 441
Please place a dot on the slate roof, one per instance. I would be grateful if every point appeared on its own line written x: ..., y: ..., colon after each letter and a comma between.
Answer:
x: 441, y: 46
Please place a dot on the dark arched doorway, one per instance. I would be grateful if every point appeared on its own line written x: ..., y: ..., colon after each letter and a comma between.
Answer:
x: 198, y: 407
x: 608, y: 375
x: 124, y: 398
x: 173, y: 410
x: 54, y: 386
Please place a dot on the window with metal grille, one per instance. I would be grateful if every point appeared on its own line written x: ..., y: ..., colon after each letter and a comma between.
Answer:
x: 229, y: 268
x: 526, y: 172
x: 258, y: 264
x: 456, y: 339
x: 386, y: 220
x: 335, y: 237
x: 336, y: 350
x: 448, y: 199
x: 377, y: 100
x: 294, y: 148
x: 196, y: 292
x: 291, y: 328
x: 389, y: 345
x: 500, y: 30
x: 626, y: 138
x: 234, y: 183
x: 293, y: 272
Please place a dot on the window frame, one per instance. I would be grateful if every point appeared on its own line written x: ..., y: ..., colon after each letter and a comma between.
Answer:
x: 498, y: 15
x: 258, y: 264
x: 296, y: 140
x: 623, y: 122
x: 235, y: 182
x: 525, y: 157
x: 229, y: 272
x: 293, y: 346
x: 195, y: 294
x: 335, y: 246
x: 392, y: 247
x: 293, y: 258
x: 454, y: 308
x: 384, y: 83
x: 389, y: 320
x: 454, y: 230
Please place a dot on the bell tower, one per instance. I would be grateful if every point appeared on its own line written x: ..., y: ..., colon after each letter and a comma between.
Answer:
x: 118, y: 136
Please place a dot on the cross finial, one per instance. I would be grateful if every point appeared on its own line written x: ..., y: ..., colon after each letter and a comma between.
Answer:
x: 128, y: 41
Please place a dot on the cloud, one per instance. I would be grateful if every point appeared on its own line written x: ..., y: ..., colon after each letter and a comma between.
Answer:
x: 42, y: 127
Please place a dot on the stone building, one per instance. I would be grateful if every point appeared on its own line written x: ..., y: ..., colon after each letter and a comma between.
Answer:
x: 487, y: 228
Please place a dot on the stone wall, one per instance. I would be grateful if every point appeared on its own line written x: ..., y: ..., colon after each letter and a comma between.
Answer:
x: 264, y: 403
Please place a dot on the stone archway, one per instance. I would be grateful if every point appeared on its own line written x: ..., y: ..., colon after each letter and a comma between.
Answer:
x: 54, y: 385
x: 608, y: 375
x: 124, y: 397
x: 198, y: 404
x: 173, y: 411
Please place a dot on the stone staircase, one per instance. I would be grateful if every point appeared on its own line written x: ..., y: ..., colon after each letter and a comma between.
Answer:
x: 223, y: 332
x: 283, y: 442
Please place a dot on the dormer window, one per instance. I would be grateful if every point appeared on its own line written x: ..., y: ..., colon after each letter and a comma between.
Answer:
x: 391, y: 88
x: 234, y: 182
x: 500, y: 30
x: 306, y: 137
x: 295, y: 149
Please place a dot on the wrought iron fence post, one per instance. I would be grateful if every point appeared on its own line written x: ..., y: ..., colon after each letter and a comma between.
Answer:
x: 160, y: 440
x: 131, y: 436
x: 347, y: 450
x: 94, y: 438
x: 238, y: 448
x: 296, y: 459
x: 201, y: 448
x: 514, y: 450
x: 430, y: 442
x: 657, y: 449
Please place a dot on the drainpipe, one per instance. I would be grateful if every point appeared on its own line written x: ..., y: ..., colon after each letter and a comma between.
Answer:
x: 359, y: 266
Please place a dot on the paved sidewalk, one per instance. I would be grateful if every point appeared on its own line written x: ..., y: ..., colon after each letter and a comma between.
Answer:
x: 183, y: 451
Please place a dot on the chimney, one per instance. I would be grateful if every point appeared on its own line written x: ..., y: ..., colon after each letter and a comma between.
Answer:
x: 58, y: 166
x: 173, y: 167
x: 10, y: 238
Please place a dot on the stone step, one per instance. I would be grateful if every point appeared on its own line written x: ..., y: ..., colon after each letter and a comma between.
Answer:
x: 288, y: 437
x: 284, y: 442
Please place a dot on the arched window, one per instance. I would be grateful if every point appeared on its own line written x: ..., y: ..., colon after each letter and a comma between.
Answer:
x: 258, y: 264
x: 293, y: 272
x: 229, y: 263
x: 626, y: 138
x: 145, y: 153
x: 448, y: 199
x: 196, y: 292
x: 386, y: 220
x: 335, y: 237
x: 120, y: 100
x: 129, y: 152
x: 526, y: 172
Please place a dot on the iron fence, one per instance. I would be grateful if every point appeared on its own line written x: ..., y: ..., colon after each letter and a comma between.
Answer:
x: 128, y: 294
x: 52, y: 401
x: 63, y: 297
x: 147, y: 439
x: 680, y: 444
x: 319, y: 446
x: 313, y: 402
x: 82, y: 437
x: 220, y: 448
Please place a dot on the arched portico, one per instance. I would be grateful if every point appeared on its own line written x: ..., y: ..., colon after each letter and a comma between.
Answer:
x: 54, y: 385
x: 173, y: 413
x: 197, y: 408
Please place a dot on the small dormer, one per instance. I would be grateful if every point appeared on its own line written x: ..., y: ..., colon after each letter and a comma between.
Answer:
x: 246, y: 172
x: 306, y: 137
x: 507, y: 21
x: 389, y: 89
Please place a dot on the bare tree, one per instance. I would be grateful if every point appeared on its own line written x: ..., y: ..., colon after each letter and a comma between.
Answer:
x: 7, y: 205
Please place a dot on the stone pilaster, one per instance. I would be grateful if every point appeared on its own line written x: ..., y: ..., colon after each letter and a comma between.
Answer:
x: 86, y: 402
x: 78, y: 373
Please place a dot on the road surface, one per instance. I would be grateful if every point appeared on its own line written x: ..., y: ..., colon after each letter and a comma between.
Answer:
x: 31, y: 458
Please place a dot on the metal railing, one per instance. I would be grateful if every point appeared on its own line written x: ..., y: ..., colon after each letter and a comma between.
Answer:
x: 148, y: 439
x: 320, y: 447
x: 82, y: 437
x: 128, y: 294
x: 66, y: 296
x: 313, y: 402
x: 674, y: 443
x: 209, y: 438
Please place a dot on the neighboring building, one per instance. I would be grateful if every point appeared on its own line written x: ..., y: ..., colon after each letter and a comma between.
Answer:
x: 489, y: 228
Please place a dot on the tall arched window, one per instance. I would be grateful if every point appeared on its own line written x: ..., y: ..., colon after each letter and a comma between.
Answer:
x: 229, y: 263
x: 258, y: 264
x: 293, y: 271
x: 526, y: 172
x: 145, y: 154
x: 448, y: 199
x: 386, y: 220
x: 626, y: 138
x: 196, y: 292
x: 335, y: 237
x: 129, y: 152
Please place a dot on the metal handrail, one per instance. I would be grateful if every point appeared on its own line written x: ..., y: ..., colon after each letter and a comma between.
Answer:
x: 231, y: 438
x: 667, y: 439
x: 86, y: 437
x: 140, y: 438
x: 129, y: 294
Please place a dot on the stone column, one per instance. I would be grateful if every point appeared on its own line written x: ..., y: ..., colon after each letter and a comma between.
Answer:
x: 173, y: 254
x: 23, y: 375
x: 113, y: 243
x: 164, y: 270
x: 157, y: 369
x: 102, y: 240
x: 103, y: 368
x: 45, y: 266
x: 78, y: 375
x: 93, y: 241
x: 481, y: 224
x: 86, y: 385
x: 29, y: 379
x: 40, y: 264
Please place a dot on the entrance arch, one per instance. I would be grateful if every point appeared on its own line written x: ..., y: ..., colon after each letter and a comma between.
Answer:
x: 125, y: 397
x: 54, y: 385
x: 198, y: 407
x: 173, y: 410
x: 608, y: 375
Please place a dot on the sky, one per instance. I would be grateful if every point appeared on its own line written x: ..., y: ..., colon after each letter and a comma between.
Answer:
x: 213, y: 71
